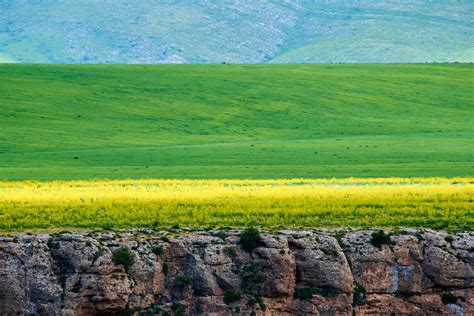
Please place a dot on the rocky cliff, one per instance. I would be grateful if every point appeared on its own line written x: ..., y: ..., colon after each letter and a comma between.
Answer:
x: 193, y: 273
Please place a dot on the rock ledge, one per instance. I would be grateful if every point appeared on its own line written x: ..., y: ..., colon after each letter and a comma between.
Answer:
x: 200, y: 273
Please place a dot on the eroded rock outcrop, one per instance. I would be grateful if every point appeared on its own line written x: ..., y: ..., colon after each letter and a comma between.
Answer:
x: 200, y: 273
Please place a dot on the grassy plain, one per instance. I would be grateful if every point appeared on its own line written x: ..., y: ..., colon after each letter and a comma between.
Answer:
x: 63, y: 122
x: 383, y: 202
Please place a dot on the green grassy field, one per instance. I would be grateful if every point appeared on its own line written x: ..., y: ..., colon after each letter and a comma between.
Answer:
x: 235, y: 121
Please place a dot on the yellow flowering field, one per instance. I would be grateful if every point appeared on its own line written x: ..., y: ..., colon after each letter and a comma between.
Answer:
x: 378, y: 202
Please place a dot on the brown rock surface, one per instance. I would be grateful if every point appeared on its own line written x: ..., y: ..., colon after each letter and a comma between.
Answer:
x: 201, y: 273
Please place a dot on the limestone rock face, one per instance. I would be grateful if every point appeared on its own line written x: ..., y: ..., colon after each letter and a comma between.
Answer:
x: 201, y: 273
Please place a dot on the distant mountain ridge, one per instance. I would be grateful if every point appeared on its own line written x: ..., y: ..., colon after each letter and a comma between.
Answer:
x: 240, y: 31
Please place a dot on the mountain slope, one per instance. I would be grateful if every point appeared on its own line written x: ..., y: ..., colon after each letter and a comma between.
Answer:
x: 241, y: 31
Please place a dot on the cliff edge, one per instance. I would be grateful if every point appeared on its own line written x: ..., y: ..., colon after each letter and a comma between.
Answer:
x: 227, y: 273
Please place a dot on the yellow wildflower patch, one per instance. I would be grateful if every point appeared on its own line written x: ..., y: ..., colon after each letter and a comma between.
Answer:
x: 355, y: 202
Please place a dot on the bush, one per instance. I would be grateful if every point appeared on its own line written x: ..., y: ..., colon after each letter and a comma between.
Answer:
x: 249, y: 239
x: 253, y: 277
x: 257, y: 300
x: 183, y: 279
x: 231, y: 297
x: 327, y: 292
x: 230, y: 251
x: 177, y: 307
x: 124, y: 257
x: 158, y: 250
x: 53, y: 244
x: 303, y: 293
x: 360, y: 294
x: 449, y: 298
x: 380, y: 238
x: 222, y: 235
x: 404, y: 294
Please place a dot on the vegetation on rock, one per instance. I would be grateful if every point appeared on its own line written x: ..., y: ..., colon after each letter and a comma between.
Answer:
x: 124, y: 257
x: 250, y: 238
x: 380, y: 238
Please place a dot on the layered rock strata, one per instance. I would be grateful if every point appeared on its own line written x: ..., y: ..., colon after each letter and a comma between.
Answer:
x: 200, y: 273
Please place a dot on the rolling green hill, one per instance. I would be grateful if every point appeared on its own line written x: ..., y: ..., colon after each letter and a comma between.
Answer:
x: 235, y: 121
x: 204, y: 31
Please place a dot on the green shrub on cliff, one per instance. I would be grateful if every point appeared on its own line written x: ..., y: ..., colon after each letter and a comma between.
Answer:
x: 124, y: 257
x: 249, y: 239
